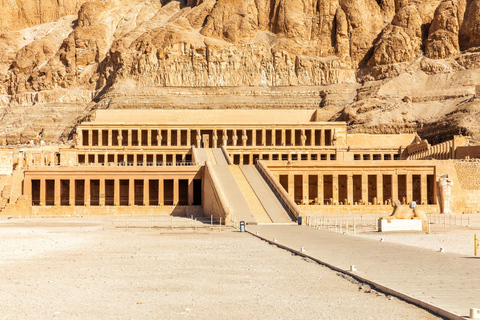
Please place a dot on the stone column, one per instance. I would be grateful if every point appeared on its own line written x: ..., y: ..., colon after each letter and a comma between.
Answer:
x: 144, y: 159
x: 274, y: 139
x: 350, y: 189
x: 335, y: 188
x: 149, y: 137
x: 43, y: 186
x: 291, y: 185
x: 365, y: 187
x: 175, y: 192
x: 264, y: 137
x: 320, y: 189
x: 160, y: 192
x: 80, y: 138
x: 131, y: 192
x: 129, y: 141
x: 322, y: 138
x: 190, y: 192
x: 87, y: 192
x: 254, y: 137
x: 57, y: 192
x: 395, y: 186
x: 100, y: 137
x: 284, y: 142
x: 409, y: 188
x: 116, y: 194
x: 146, y: 193
x: 27, y: 187
x: 312, y: 137
x: 423, y: 181
x: 179, y: 138
x: 90, y: 137
x: 305, y: 189
x: 189, y: 137
x: 380, y: 188
x: 72, y: 192
x: 109, y: 137
x: 169, y: 137
x: 102, y: 192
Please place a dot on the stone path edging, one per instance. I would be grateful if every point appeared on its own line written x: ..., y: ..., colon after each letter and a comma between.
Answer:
x: 425, y: 305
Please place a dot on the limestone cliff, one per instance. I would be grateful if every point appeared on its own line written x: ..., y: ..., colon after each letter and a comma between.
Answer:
x: 382, y: 65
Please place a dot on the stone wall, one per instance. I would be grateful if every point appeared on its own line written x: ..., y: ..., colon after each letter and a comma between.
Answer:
x: 23, y: 209
x: 6, y: 162
x: 359, y: 209
x: 468, y: 174
x: 465, y: 177
x: 212, y: 205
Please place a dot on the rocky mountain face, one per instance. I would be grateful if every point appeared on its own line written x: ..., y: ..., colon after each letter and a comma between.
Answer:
x: 382, y: 65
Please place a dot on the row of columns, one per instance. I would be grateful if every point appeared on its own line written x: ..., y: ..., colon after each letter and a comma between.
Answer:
x: 364, y: 188
x: 440, y: 151
x: 325, y: 137
x: 159, y: 137
x: 116, y: 202
x: 138, y: 159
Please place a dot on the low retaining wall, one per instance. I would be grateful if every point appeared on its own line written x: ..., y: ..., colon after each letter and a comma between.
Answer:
x: 65, y: 211
x: 358, y: 209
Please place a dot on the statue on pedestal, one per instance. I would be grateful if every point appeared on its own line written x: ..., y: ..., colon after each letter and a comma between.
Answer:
x: 303, y: 138
x: 215, y: 138
x: 159, y: 138
x: 199, y: 139
x: 120, y: 138
x: 445, y: 185
x: 406, y: 212
x: 244, y: 138
x: 235, y: 138
x: 225, y: 138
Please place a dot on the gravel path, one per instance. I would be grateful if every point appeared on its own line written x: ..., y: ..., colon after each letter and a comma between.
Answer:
x: 72, y: 269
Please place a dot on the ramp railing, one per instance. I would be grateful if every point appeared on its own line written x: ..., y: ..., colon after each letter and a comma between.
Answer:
x: 292, y: 208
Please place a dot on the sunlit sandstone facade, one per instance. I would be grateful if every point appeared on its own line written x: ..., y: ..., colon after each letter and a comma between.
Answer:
x: 145, y: 162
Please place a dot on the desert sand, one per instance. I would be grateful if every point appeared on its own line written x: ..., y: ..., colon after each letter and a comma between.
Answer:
x: 71, y: 268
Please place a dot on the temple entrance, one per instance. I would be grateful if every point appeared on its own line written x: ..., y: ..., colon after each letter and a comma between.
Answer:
x: 205, y: 140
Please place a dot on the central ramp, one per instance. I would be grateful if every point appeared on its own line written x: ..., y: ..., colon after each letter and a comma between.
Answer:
x: 219, y: 156
x: 247, y: 195
x: 271, y: 204
x: 233, y: 195
x: 254, y: 203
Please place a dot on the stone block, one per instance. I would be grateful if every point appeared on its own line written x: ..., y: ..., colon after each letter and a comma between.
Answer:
x: 385, y: 225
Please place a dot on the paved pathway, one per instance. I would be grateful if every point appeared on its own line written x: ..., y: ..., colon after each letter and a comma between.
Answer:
x: 448, y: 281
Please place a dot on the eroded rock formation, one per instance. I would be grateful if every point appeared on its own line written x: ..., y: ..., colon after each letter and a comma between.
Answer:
x: 373, y: 62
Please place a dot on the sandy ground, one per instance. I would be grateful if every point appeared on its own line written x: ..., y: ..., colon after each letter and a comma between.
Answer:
x: 73, y: 269
x: 454, y: 233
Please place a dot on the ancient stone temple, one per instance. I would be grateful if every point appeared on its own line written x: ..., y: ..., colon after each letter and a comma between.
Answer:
x: 261, y: 166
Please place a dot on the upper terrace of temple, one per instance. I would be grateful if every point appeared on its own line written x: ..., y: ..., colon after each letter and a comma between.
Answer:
x: 205, y: 117
x: 209, y: 128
